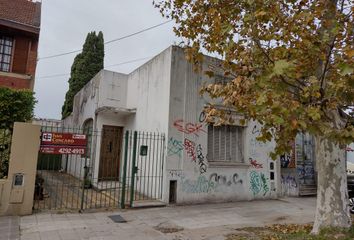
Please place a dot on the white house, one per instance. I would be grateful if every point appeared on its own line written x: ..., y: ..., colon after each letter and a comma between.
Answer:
x: 200, y: 162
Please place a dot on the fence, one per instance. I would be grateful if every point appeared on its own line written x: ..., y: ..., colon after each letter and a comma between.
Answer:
x: 143, y: 167
x: 115, y: 171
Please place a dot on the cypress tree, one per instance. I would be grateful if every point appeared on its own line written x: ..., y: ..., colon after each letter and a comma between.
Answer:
x: 85, y: 66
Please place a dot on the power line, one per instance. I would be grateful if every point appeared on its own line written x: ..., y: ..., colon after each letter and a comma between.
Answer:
x: 108, y: 42
x: 131, y: 61
x: 113, y: 65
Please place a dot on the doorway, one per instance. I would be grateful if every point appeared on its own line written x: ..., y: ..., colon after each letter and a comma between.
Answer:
x: 111, y: 142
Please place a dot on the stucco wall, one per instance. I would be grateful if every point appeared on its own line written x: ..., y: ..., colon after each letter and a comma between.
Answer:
x: 148, y: 92
x: 188, y: 133
x: 106, y: 90
x: 18, y: 199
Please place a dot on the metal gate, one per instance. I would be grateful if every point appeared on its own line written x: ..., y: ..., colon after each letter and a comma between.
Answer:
x: 72, y: 181
x: 142, y: 176
x: 69, y: 181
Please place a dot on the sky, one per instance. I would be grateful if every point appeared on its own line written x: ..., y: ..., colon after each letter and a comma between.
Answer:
x: 64, y: 26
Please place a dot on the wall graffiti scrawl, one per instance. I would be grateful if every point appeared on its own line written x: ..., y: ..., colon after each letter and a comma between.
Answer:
x: 201, y: 160
x: 175, y: 147
x: 258, y: 183
x: 189, y: 146
x: 255, y: 164
x: 201, y: 185
x: 220, y: 179
x: 189, y: 128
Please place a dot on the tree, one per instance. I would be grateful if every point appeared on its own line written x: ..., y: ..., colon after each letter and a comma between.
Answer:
x: 85, y: 66
x: 292, y: 68
x: 15, y: 106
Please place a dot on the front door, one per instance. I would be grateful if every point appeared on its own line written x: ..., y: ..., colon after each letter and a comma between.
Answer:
x: 111, y: 142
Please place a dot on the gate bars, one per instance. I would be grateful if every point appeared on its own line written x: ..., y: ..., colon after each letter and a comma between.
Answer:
x: 71, y: 182
x: 142, y: 176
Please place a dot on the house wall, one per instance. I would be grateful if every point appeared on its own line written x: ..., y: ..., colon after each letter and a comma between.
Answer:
x: 17, y: 199
x: 107, y: 90
x: 187, y: 161
x: 24, y: 60
x: 148, y: 93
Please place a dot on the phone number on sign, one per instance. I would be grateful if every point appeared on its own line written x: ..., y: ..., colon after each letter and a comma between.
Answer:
x: 62, y: 150
x: 71, y: 151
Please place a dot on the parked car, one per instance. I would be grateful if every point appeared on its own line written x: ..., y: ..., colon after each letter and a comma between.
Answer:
x: 350, y: 179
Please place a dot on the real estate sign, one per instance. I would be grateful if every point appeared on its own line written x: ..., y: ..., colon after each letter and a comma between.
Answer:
x: 63, y: 143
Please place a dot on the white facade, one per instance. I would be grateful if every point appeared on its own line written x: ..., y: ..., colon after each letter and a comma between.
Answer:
x: 163, y: 96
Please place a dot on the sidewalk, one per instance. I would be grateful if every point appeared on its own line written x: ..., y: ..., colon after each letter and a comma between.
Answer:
x: 9, y: 228
x: 195, y: 222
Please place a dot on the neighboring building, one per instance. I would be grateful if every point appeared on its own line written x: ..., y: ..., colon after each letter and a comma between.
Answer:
x: 48, y: 123
x: 19, y: 34
x: 201, y: 162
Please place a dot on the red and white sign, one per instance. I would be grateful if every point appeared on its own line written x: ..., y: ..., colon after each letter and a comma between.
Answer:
x: 63, y: 150
x: 52, y: 138
x: 63, y: 143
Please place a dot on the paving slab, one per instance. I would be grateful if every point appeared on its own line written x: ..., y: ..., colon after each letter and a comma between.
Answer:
x: 9, y: 228
x: 193, y: 222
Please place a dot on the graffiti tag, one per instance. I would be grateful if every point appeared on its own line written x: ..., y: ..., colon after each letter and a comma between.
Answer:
x: 201, y: 160
x: 176, y: 173
x: 255, y: 164
x: 258, y: 183
x: 189, y: 146
x: 202, y: 117
x: 201, y: 185
x: 188, y: 128
x: 225, y: 180
x: 175, y: 147
x: 289, y: 181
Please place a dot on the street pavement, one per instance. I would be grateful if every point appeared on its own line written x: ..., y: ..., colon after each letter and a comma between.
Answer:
x: 193, y: 222
x: 9, y: 228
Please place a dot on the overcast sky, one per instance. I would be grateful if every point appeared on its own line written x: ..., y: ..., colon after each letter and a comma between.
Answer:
x: 64, y: 26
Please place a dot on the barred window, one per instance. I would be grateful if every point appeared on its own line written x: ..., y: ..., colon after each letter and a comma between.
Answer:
x: 6, y: 45
x: 225, y: 143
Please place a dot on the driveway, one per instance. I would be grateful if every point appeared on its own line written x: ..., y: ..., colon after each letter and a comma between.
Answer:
x: 207, y: 221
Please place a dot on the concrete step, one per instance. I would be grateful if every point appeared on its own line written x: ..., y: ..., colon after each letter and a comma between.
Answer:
x: 308, y: 190
x: 148, y: 204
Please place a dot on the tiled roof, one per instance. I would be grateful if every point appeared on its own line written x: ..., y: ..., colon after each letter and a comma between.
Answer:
x: 21, y: 11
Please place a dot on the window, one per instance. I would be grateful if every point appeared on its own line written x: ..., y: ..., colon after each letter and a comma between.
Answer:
x: 6, y: 44
x: 220, y: 79
x: 225, y: 144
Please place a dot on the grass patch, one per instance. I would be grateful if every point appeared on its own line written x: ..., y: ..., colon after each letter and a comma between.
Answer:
x: 290, y: 232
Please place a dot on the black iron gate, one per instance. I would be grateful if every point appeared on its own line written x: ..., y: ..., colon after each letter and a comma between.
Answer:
x: 70, y: 181
x: 142, y: 176
x: 73, y: 182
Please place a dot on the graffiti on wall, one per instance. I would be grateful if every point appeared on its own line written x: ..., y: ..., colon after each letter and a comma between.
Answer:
x: 288, y: 160
x: 176, y: 173
x: 305, y: 171
x: 189, y: 128
x: 258, y: 183
x: 215, y: 183
x: 224, y: 180
x: 255, y: 164
x: 202, y: 117
x: 255, y: 130
x: 174, y: 147
x: 289, y: 181
x: 201, y: 160
x: 189, y: 146
x: 201, y: 185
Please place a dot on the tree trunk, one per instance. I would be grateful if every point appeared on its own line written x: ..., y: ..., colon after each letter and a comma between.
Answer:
x: 332, y: 193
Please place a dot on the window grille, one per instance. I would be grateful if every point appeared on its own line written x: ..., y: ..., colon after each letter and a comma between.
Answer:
x: 6, y: 45
x: 225, y: 143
